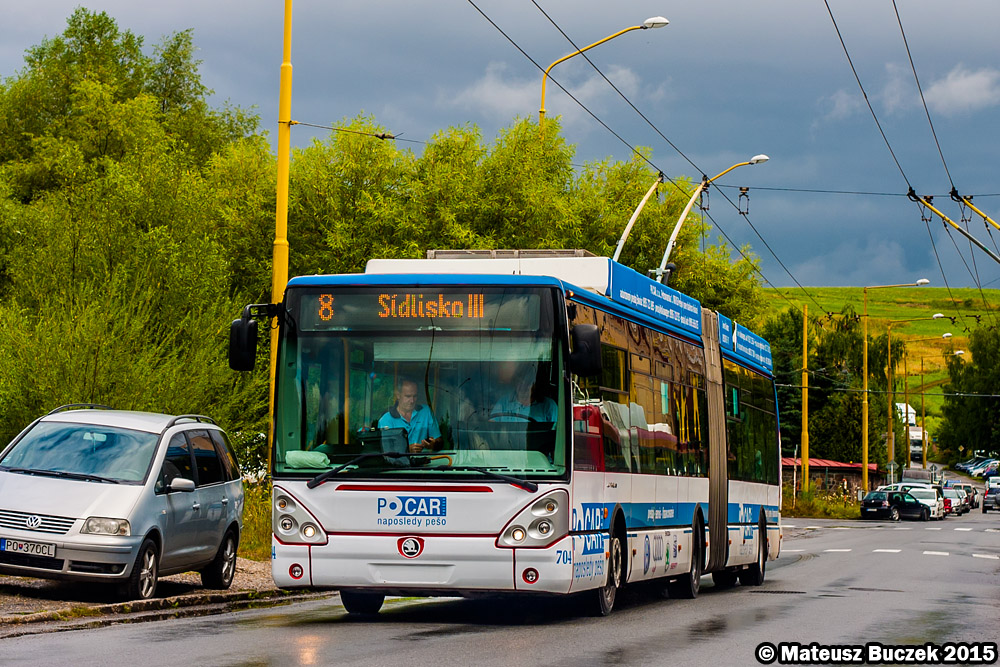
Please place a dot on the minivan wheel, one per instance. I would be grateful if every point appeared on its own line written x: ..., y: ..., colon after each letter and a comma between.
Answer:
x: 220, y: 572
x: 141, y: 584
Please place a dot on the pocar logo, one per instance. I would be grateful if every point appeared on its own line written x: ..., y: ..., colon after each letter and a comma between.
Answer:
x: 415, y: 506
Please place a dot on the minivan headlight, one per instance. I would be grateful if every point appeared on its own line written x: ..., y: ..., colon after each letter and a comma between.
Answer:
x: 97, y: 525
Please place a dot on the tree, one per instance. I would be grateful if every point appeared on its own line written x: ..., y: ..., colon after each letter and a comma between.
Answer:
x: 971, y: 408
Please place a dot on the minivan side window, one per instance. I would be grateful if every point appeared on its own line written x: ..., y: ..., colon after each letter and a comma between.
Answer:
x: 176, y: 463
x: 227, y: 455
x: 206, y: 458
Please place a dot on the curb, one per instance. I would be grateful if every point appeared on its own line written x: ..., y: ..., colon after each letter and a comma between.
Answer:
x: 170, y: 604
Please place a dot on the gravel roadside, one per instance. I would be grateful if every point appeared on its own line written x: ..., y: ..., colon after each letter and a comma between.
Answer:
x: 24, y: 599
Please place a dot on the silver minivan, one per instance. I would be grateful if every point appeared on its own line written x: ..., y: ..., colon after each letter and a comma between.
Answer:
x: 94, y: 494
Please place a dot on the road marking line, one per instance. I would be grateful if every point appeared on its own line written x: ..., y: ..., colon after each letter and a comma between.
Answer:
x: 936, y: 553
x: 841, y: 528
x: 933, y: 529
x: 993, y: 530
x: 785, y: 525
x: 902, y: 529
x: 813, y: 527
x: 990, y: 556
x: 964, y: 529
x: 836, y: 550
x: 886, y: 551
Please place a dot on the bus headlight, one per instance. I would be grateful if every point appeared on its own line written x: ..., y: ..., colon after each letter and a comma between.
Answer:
x: 547, y: 521
x: 292, y: 523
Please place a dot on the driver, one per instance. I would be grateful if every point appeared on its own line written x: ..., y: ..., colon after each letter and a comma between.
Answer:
x: 421, y: 428
x: 523, y: 402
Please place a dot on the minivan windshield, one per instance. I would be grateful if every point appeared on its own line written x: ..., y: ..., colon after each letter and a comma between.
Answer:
x: 82, y: 451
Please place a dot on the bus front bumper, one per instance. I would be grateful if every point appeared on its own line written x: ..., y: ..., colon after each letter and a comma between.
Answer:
x: 431, y: 565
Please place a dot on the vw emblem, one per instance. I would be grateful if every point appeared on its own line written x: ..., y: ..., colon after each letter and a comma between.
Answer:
x: 410, y: 547
x: 33, y: 522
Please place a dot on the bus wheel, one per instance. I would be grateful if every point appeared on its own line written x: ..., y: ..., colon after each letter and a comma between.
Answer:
x: 361, y: 602
x: 754, y: 575
x: 724, y: 578
x: 688, y: 585
x: 607, y: 593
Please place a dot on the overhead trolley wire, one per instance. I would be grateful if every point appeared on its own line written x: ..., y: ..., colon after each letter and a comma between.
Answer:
x: 974, y: 271
x: 902, y: 173
x: 678, y: 150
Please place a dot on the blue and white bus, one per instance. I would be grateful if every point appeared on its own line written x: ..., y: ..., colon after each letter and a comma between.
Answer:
x: 520, y: 422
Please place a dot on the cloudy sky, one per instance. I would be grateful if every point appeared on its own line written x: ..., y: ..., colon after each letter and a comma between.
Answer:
x: 724, y: 81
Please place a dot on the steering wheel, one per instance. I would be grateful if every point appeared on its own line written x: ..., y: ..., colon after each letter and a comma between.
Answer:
x: 516, y: 415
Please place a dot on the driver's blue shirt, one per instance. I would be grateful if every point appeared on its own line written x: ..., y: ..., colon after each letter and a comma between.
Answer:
x: 421, y: 425
x: 505, y: 409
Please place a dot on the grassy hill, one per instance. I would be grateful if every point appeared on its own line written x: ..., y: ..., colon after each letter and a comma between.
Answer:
x: 923, y: 336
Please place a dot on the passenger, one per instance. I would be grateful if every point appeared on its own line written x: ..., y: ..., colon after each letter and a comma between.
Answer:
x: 523, y: 402
x: 419, y: 424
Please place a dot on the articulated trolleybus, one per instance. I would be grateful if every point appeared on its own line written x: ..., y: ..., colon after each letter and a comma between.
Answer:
x: 515, y: 422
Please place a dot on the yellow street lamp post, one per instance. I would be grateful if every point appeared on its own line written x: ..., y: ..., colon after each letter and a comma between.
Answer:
x: 279, y: 263
x: 705, y: 182
x: 653, y: 22
x: 890, y: 437
x: 864, y: 378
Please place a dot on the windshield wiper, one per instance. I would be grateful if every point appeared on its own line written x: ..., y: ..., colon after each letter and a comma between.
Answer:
x: 525, y: 484
x: 323, y: 476
x: 62, y: 473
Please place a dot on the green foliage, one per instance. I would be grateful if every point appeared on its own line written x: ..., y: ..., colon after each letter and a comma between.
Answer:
x: 818, y: 505
x: 255, y: 541
x: 136, y: 221
x: 971, y: 408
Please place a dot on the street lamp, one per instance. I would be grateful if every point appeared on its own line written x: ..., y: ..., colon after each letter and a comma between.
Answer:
x: 705, y: 182
x: 890, y: 435
x: 653, y: 22
x: 864, y: 376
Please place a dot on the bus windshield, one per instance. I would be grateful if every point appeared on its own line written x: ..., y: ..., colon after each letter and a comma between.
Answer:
x: 420, y: 382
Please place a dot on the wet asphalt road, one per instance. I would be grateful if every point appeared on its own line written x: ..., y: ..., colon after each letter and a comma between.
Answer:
x: 836, y: 582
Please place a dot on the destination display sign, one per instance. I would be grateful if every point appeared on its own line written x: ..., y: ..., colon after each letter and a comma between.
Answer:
x: 744, y: 344
x: 655, y: 299
x: 412, y: 308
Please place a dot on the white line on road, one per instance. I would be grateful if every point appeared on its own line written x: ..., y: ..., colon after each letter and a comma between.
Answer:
x: 932, y: 529
x: 990, y: 556
x: 885, y: 551
x: 785, y: 525
x: 902, y: 529
x: 964, y: 529
x: 936, y: 553
x: 836, y: 550
x: 813, y: 527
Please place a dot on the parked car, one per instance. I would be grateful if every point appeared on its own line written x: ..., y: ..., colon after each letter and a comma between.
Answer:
x: 956, y: 501
x: 991, y: 499
x: 982, y: 467
x: 892, y: 505
x: 971, y: 491
x: 930, y: 498
x: 102, y: 495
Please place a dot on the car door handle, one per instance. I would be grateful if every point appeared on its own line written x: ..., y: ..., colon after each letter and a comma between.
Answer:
x: 196, y: 507
x: 225, y: 501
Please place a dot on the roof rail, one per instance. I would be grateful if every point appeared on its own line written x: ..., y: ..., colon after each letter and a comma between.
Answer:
x: 77, y: 406
x: 508, y: 254
x: 201, y: 419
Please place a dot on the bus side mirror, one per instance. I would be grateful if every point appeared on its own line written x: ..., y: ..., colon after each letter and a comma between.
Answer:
x: 585, y: 359
x: 242, y: 344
